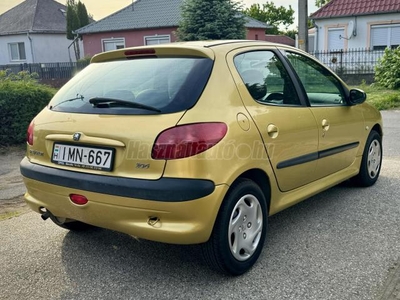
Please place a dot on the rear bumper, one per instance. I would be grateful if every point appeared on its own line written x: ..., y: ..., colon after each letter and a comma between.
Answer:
x: 180, y: 221
x: 163, y: 189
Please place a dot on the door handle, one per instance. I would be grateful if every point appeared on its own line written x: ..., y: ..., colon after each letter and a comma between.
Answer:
x: 272, y: 131
x: 325, y: 125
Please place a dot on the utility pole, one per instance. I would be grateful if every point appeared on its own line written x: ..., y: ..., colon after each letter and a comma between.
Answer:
x: 303, y: 26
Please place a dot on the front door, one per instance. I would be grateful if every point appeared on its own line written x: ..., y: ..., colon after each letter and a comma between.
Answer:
x: 340, y: 126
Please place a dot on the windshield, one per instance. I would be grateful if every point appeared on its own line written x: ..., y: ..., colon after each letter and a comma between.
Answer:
x: 167, y: 85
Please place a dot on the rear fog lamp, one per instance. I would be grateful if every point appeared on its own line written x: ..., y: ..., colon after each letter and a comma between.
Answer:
x: 78, y: 199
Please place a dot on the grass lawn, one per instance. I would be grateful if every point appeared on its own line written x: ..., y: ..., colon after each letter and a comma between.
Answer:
x: 380, y: 97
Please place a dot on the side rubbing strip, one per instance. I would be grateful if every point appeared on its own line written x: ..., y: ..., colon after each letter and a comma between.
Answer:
x: 298, y: 160
x: 337, y: 150
x: 314, y: 156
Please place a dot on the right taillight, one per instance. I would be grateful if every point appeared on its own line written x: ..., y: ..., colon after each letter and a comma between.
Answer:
x: 187, y: 140
x: 29, y: 136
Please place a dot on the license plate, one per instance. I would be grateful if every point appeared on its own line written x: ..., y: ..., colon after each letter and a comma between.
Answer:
x: 83, y: 157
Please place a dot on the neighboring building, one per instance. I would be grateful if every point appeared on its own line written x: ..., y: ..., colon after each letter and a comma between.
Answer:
x: 34, y: 32
x: 280, y: 39
x: 144, y: 22
x: 355, y: 24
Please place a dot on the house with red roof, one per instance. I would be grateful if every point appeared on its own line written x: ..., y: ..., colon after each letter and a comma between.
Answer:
x: 144, y: 22
x: 355, y: 24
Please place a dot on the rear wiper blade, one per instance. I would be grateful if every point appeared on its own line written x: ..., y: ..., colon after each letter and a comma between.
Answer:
x: 102, y: 102
x: 77, y: 97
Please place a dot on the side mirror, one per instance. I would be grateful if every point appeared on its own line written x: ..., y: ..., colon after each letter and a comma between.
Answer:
x: 357, y: 97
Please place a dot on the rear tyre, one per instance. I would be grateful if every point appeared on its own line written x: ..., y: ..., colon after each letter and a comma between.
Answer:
x: 239, y: 231
x: 70, y: 224
x: 371, y: 161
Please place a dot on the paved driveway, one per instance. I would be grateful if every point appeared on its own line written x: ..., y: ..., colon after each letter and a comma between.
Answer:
x: 341, y: 244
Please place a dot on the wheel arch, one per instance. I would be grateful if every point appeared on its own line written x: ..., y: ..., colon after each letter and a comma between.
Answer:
x: 261, y: 179
x: 378, y: 129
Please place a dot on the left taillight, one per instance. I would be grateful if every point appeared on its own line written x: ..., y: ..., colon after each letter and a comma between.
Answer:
x: 188, y: 140
x: 29, y: 135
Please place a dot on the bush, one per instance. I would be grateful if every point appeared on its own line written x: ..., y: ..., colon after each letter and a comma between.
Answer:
x: 387, y: 72
x: 21, y: 98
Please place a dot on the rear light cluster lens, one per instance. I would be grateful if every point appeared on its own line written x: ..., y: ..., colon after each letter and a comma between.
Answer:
x: 187, y: 140
x: 29, y: 136
x: 78, y: 199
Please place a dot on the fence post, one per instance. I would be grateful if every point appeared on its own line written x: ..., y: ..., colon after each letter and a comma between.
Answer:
x: 341, y: 63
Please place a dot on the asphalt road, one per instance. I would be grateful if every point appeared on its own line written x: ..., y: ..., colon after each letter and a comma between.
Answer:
x: 341, y: 244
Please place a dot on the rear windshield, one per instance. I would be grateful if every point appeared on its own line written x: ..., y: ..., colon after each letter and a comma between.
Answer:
x: 139, y: 86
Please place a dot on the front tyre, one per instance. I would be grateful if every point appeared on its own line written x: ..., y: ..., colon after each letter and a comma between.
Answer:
x: 239, y: 231
x: 371, y: 161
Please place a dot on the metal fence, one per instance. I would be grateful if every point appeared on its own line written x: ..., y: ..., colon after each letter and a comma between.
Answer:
x: 350, y: 61
x: 48, y: 70
x: 343, y: 62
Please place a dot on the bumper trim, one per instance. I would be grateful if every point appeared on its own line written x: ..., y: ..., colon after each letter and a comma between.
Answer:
x: 163, y: 189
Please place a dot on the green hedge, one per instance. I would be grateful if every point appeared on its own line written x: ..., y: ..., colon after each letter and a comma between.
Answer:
x: 21, y: 98
x: 387, y: 72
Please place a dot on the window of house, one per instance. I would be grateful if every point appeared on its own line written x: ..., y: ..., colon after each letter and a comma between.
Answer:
x: 113, y: 44
x: 17, y: 51
x: 383, y: 36
x: 157, y: 39
x: 335, y: 40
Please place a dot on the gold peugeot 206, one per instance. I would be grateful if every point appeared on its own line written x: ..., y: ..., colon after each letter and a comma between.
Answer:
x: 198, y: 143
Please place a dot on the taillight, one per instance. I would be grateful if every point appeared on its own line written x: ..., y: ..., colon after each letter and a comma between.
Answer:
x: 29, y: 136
x: 187, y: 140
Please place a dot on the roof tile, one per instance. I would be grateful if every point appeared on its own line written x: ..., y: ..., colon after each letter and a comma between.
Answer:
x: 280, y: 39
x: 34, y: 16
x: 147, y: 14
x: 343, y: 8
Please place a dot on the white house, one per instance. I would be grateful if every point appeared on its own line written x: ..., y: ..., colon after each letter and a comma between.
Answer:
x: 355, y: 24
x: 34, y: 32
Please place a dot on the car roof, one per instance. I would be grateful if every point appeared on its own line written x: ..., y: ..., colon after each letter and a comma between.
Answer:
x: 196, y: 48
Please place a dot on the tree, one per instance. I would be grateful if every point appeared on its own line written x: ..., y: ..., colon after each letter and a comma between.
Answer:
x: 82, y: 14
x: 320, y: 3
x: 72, y: 19
x: 77, y: 17
x: 272, y: 15
x: 291, y: 33
x: 211, y: 20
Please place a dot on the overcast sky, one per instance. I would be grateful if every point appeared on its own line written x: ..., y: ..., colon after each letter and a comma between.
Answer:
x: 108, y: 7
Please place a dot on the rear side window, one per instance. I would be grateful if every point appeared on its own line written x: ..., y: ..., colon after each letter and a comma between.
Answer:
x: 266, y: 78
x: 165, y: 85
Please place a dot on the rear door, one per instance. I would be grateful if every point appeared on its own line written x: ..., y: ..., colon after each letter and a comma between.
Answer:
x: 286, y: 125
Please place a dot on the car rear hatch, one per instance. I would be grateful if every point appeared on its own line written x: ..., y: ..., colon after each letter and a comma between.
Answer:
x: 107, y: 118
